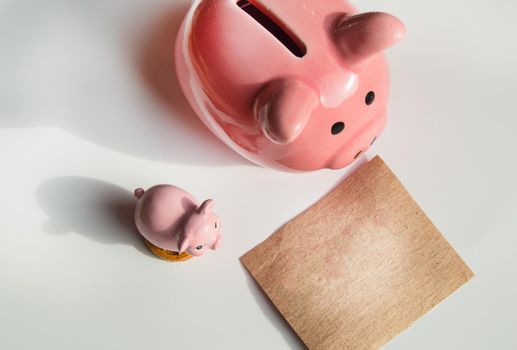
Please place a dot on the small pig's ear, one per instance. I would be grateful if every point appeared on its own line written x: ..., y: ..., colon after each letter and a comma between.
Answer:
x: 362, y: 36
x: 217, y: 243
x: 283, y: 109
x: 206, y: 207
x: 183, y: 244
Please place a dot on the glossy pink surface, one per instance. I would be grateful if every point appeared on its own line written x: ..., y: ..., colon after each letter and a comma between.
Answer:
x: 278, y: 109
x: 170, y: 218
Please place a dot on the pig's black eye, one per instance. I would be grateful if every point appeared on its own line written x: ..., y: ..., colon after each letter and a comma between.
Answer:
x: 215, y: 224
x: 199, y: 247
x: 338, y: 128
x: 370, y: 97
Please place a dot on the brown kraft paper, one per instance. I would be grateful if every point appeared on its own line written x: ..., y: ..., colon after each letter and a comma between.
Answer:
x: 359, y: 266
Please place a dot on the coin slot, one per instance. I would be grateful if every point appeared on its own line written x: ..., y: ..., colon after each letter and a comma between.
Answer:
x: 273, y: 25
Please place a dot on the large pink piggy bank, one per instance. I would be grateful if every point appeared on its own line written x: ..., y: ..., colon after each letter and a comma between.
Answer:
x: 288, y: 84
x: 174, y: 226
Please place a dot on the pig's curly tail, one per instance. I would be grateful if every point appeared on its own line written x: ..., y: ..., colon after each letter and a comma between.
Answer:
x: 139, y: 192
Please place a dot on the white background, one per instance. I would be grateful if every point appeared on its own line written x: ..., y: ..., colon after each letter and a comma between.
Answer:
x: 90, y: 109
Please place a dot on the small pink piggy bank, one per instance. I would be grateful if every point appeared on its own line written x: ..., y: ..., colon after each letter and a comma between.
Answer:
x: 288, y: 84
x: 174, y: 226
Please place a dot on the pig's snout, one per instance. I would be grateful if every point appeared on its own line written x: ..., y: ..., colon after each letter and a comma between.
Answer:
x: 217, y: 243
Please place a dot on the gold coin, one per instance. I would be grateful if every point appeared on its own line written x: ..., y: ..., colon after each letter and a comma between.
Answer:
x: 167, y: 254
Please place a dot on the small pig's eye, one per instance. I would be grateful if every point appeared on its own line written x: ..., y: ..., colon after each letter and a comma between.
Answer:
x: 199, y: 247
x: 370, y: 97
x: 338, y: 128
x: 215, y: 224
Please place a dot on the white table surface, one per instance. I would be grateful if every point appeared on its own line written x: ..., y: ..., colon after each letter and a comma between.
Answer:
x: 90, y: 109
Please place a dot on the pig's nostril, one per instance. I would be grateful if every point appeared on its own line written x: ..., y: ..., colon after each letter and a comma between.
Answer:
x: 338, y: 128
x: 274, y: 26
x: 370, y: 97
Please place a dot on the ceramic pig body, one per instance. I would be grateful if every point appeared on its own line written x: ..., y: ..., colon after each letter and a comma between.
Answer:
x: 288, y: 84
x: 170, y: 218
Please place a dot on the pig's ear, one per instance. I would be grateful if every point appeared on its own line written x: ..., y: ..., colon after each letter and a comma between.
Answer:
x: 283, y: 109
x: 206, y: 207
x: 183, y: 244
x: 217, y: 243
x: 362, y: 36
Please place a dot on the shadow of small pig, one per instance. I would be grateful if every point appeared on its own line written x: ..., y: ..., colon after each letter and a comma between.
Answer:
x: 98, y: 210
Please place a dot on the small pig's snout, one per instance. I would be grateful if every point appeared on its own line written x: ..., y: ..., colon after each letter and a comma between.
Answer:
x: 217, y: 243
